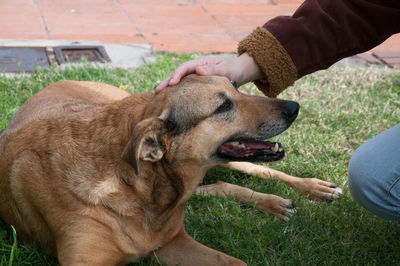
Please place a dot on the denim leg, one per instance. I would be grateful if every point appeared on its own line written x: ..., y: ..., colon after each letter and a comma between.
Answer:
x: 374, y: 174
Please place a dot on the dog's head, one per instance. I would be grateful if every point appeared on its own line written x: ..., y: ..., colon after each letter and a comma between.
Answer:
x: 205, y: 121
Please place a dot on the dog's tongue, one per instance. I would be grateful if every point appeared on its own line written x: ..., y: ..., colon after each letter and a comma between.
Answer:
x: 248, y: 148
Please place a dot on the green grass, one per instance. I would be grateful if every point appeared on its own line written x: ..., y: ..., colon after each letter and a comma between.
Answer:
x: 340, y: 109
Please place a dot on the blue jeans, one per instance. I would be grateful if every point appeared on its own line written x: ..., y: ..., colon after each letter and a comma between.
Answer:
x: 374, y: 174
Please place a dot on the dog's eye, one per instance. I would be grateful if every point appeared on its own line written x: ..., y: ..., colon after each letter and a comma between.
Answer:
x: 170, y: 125
x: 226, y: 106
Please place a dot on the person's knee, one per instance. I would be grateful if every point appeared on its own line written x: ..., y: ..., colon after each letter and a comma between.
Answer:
x: 361, y: 177
x: 373, y: 186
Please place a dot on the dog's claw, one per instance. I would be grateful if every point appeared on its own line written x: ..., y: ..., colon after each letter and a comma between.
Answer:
x: 319, y: 190
x: 285, y: 219
x: 291, y: 212
x: 290, y: 205
x: 337, y: 193
x: 287, y: 214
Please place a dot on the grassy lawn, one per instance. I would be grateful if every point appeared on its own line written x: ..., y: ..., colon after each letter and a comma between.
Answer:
x: 340, y: 109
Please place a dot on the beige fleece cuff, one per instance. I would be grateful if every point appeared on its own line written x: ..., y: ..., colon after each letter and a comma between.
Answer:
x: 273, y: 60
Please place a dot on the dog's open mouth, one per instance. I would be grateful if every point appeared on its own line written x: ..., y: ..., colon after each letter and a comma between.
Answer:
x: 262, y: 151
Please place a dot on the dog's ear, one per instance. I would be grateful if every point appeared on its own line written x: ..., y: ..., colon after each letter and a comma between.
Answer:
x: 144, y: 143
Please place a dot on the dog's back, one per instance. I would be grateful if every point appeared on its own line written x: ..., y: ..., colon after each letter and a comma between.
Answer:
x: 60, y: 99
x: 55, y: 101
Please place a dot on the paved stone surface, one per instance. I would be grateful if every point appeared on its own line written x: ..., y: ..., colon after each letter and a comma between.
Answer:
x: 214, y: 26
x: 390, y: 58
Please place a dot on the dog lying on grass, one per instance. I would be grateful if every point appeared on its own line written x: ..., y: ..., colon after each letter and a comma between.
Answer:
x: 101, y: 177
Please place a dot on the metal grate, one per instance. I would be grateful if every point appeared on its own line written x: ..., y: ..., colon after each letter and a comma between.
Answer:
x: 22, y: 59
x: 76, y: 53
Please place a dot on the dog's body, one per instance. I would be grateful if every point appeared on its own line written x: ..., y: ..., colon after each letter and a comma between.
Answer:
x: 100, y: 177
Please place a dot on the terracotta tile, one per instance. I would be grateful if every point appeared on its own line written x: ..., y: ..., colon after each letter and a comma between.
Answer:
x: 253, y: 21
x: 83, y: 13
x: 177, y: 41
x: 90, y: 11
x: 158, y: 2
x: 81, y: 28
x: 170, y: 36
x: 178, y: 27
x: 390, y: 45
x: 170, y: 16
x: 393, y: 62
x: 105, y: 33
x: 289, y: 8
x: 390, y: 58
x: 21, y: 20
x: 241, y: 9
x: 21, y: 28
x: 235, y: 23
x: 393, y: 54
x: 278, y: 2
x: 234, y: 2
x: 368, y: 58
x: 16, y: 2
x: 195, y: 48
x: 20, y: 14
x: 93, y: 3
x: 240, y: 26
x: 193, y: 2
x: 22, y: 31
x: 23, y: 35
x: 101, y: 20
x: 6, y: 19
x: 107, y: 38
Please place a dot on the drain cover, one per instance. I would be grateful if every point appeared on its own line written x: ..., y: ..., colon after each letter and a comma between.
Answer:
x: 75, y: 53
x: 22, y: 59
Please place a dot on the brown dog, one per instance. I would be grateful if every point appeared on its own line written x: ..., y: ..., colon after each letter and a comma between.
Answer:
x: 100, y: 177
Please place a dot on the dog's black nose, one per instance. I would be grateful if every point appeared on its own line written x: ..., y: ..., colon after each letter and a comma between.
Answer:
x: 290, y: 110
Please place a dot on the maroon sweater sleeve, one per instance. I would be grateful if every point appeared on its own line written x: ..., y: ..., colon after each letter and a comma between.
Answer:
x: 321, y: 32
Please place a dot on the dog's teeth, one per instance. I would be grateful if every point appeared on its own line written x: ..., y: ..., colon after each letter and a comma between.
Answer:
x: 280, y: 138
x: 275, y: 148
x: 280, y: 149
x: 237, y: 144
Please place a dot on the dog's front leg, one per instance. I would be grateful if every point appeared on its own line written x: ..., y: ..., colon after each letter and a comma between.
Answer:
x: 90, y: 247
x: 312, y: 188
x: 272, y: 204
x: 185, y: 251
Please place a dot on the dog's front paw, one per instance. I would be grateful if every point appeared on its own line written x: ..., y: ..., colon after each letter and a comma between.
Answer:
x: 316, y: 189
x: 277, y: 206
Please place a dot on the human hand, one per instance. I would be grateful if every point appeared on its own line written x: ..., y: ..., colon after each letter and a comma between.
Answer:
x: 240, y: 70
